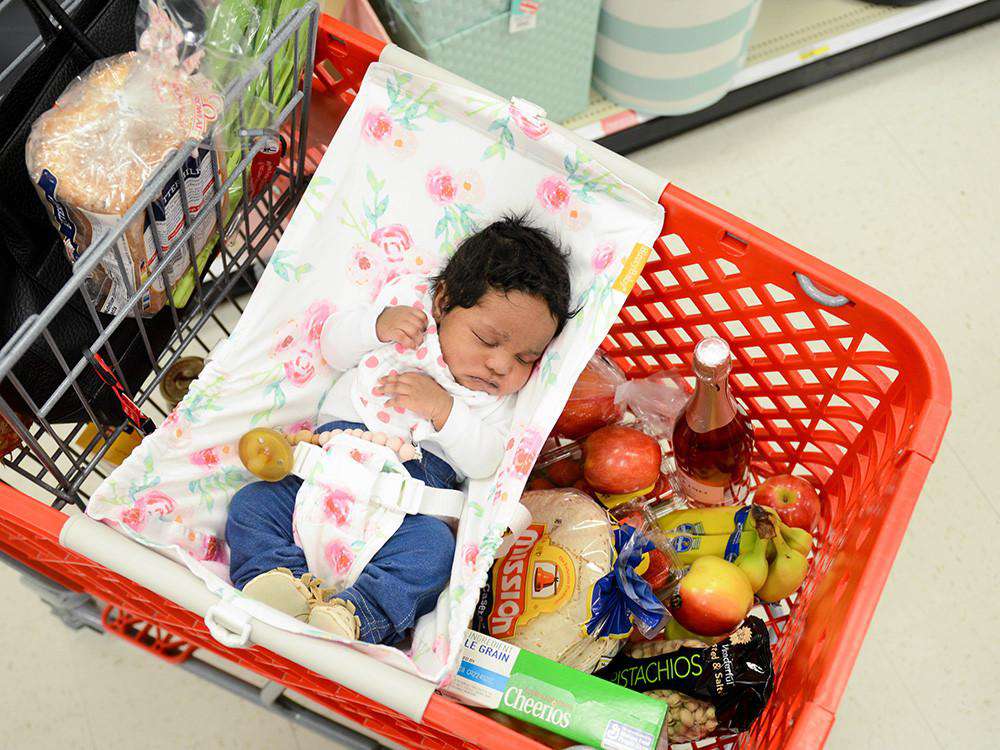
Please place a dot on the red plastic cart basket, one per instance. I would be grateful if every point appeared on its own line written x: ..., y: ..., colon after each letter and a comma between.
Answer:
x: 843, y: 385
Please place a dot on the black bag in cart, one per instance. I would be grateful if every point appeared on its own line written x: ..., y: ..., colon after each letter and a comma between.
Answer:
x: 33, y: 262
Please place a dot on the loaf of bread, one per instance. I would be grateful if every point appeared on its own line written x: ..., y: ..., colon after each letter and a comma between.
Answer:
x: 91, y: 154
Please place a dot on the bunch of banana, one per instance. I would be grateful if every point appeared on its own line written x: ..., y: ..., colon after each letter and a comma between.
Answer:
x: 775, y: 577
x: 771, y: 554
x: 725, y: 532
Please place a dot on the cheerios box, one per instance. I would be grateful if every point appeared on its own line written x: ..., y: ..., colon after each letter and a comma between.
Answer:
x: 497, y: 675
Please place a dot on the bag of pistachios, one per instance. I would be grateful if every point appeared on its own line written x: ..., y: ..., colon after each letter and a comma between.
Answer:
x: 724, y: 687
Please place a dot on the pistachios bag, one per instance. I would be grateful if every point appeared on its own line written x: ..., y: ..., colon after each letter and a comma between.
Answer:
x: 736, y: 675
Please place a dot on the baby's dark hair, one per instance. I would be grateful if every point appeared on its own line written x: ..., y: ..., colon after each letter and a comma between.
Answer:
x: 510, y: 255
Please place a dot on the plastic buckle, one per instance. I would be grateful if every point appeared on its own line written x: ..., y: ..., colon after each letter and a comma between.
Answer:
x: 304, y: 459
x: 228, y: 624
x: 398, y: 492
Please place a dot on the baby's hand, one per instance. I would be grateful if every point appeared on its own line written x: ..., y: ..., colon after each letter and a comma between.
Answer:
x: 402, y: 324
x: 419, y: 393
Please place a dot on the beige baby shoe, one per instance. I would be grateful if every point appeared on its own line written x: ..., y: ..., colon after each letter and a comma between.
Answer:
x: 280, y: 589
x: 336, y: 616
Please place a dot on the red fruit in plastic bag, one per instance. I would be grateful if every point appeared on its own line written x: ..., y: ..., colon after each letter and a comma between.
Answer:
x: 658, y: 572
x: 591, y: 404
x: 540, y: 483
x: 564, y: 473
x: 618, y: 460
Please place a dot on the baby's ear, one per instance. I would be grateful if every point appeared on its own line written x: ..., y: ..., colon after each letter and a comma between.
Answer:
x: 440, y: 300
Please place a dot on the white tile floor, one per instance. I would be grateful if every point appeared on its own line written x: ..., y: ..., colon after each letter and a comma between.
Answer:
x: 889, y: 173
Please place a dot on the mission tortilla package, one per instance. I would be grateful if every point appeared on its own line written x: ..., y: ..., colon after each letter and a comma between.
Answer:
x: 570, y: 588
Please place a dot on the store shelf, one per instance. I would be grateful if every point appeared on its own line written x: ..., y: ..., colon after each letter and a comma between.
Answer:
x: 795, y: 43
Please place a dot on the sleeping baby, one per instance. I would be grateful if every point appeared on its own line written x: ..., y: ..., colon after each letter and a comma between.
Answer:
x: 435, y: 363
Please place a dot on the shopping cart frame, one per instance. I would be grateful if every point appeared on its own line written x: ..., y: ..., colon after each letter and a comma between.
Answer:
x: 857, y: 428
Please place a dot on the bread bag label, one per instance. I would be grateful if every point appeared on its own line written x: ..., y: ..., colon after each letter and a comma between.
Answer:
x: 61, y: 217
x: 536, y: 577
x: 133, y: 257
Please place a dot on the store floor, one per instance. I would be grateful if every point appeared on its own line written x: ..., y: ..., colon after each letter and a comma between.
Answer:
x: 889, y: 173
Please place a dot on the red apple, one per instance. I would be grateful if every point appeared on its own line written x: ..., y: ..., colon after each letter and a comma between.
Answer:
x: 591, y: 404
x: 793, y: 498
x: 618, y: 460
x: 564, y: 472
x: 713, y: 598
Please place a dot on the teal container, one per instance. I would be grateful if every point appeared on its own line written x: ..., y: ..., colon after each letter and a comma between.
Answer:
x: 434, y: 20
x: 674, y: 56
x: 549, y: 65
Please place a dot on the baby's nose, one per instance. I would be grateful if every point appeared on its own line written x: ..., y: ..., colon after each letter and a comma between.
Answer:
x: 499, y: 366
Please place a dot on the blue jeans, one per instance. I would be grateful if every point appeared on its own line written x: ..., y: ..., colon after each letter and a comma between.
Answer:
x: 399, y: 585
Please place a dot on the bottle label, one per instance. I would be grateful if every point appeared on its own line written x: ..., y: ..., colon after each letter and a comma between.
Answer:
x: 704, y: 494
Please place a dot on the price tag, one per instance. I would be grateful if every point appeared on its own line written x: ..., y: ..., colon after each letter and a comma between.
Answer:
x: 523, y: 14
x: 815, y: 52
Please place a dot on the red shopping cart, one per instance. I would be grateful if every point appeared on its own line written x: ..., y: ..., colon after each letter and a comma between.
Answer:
x: 843, y: 385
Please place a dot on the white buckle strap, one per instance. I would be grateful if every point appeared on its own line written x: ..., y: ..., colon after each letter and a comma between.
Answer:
x: 391, y: 490
x: 304, y: 458
x: 413, y: 497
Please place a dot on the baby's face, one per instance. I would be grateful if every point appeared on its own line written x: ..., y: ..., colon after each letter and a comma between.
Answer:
x: 493, y: 346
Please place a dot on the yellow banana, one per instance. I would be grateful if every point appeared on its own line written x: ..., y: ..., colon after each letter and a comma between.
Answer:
x: 689, y: 547
x: 701, y: 520
x: 799, y: 540
x: 785, y: 574
x: 754, y: 564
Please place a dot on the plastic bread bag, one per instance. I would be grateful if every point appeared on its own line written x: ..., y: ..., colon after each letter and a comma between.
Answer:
x: 108, y: 132
x: 723, y: 687
x: 570, y: 587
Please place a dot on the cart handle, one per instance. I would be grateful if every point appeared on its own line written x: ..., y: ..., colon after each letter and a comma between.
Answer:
x: 816, y: 295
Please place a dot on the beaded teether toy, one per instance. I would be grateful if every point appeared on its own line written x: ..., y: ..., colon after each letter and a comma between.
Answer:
x: 267, y: 453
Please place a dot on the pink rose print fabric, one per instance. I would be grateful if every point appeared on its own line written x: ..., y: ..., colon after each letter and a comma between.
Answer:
x: 603, y: 255
x: 147, y: 507
x: 441, y: 186
x: 532, y: 125
x: 394, y: 240
x: 336, y: 522
x: 376, y: 126
x: 414, y: 168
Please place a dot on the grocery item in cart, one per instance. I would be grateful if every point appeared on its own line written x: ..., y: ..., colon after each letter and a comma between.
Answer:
x: 713, y: 440
x: 708, y: 688
x: 10, y: 440
x: 91, y: 154
x: 570, y: 587
x: 592, y: 403
x: 518, y: 683
x: 621, y: 463
x: 792, y: 497
x: 602, y: 394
